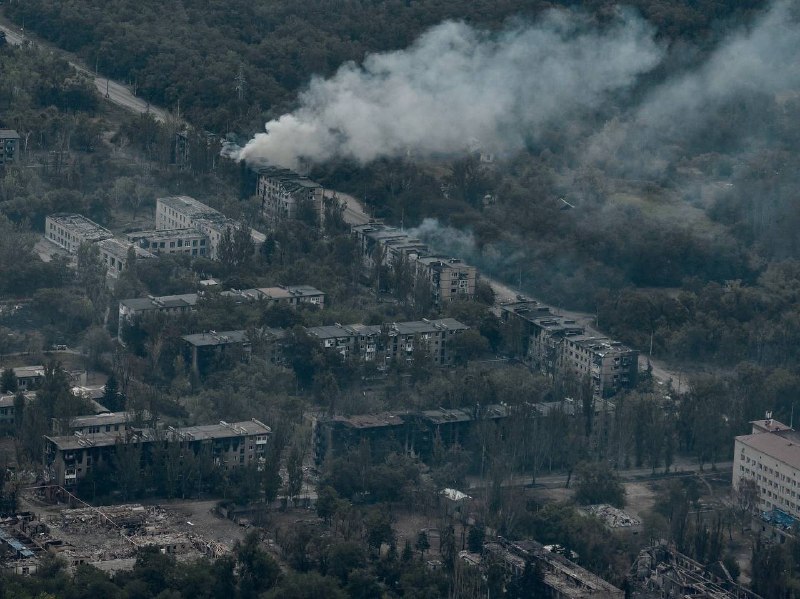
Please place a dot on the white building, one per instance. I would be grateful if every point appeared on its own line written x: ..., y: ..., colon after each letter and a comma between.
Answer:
x: 770, y: 456
x: 69, y: 231
x: 115, y: 254
x: 184, y: 212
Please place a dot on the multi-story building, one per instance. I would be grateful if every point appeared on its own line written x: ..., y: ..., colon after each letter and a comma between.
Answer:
x: 448, y: 278
x: 558, y: 345
x: 171, y: 241
x: 413, y: 433
x: 609, y: 365
x: 205, y: 347
x: 9, y: 145
x: 184, y: 212
x: 293, y: 295
x: 173, y: 305
x: 29, y: 377
x: 229, y: 445
x: 281, y: 192
x: 391, y: 342
x: 115, y: 254
x: 69, y: 231
x: 770, y: 457
x: 561, y: 578
x: 380, y: 243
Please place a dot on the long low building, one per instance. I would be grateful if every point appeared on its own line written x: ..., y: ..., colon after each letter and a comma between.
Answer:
x: 69, y: 231
x: 71, y: 458
x: 171, y: 241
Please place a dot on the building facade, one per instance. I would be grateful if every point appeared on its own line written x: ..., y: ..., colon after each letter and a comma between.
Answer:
x: 172, y: 305
x: 171, y: 241
x: 293, y: 295
x: 184, y: 212
x: 69, y: 231
x: 556, y: 345
x: 448, y: 278
x: 70, y: 458
x: 770, y: 457
x: 282, y: 191
x: 115, y: 255
x: 391, y: 342
x: 9, y: 146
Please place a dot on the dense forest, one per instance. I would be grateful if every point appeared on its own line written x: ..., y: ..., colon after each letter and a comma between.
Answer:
x: 227, y: 65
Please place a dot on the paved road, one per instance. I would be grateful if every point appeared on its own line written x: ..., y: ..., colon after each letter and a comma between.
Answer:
x: 115, y: 92
x: 354, y: 213
x: 554, y: 481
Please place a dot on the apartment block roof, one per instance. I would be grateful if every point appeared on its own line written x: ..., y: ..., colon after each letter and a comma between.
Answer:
x: 119, y: 249
x: 102, y: 419
x: 289, y: 291
x: 141, y: 304
x: 223, y: 430
x: 290, y: 180
x: 364, y: 421
x: 80, y: 225
x: 214, y: 338
x: 190, y: 207
x: 783, y: 446
x: 442, y: 263
x: 165, y: 234
x: 427, y: 326
x: 600, y: 345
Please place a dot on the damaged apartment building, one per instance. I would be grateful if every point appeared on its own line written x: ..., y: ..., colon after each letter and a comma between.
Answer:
x: 556, y: 345
x: 448, y: 278
x: 284, y: 192
x: 391, y: 342
x: 70, y: 458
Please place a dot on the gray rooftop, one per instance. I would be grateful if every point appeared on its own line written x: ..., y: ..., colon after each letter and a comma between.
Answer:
x: 214, y: 338
x: 164, y: 234
x: 80, y: 225
x: 119, y: 249
x: 8, y: 134
x: 141, y: 304
x: 223, y: 430
x: 289, y: 179
x: 190, y: 207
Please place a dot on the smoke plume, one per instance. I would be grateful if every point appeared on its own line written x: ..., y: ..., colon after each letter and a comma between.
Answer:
x: 456, y: 85
x: 763, y: 59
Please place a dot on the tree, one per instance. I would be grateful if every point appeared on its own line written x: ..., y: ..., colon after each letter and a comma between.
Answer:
x: 327, y: 503
x: 422, y: 544
x: 475, y: 538
x: 467, y: 346
x: 91, y: 277
x: 598, y: 483
x: 8, y: 381
x: 236, y: 247
x: 294, y: 467
x: 258, y: 571
x: 112, y: 398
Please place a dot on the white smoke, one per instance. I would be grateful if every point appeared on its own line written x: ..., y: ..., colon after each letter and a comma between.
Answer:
x: 456, y: 84
x: 763, y: 59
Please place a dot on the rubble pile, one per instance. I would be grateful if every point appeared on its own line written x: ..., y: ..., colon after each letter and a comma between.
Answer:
x: 113, y: 534
x: 611, y: 516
